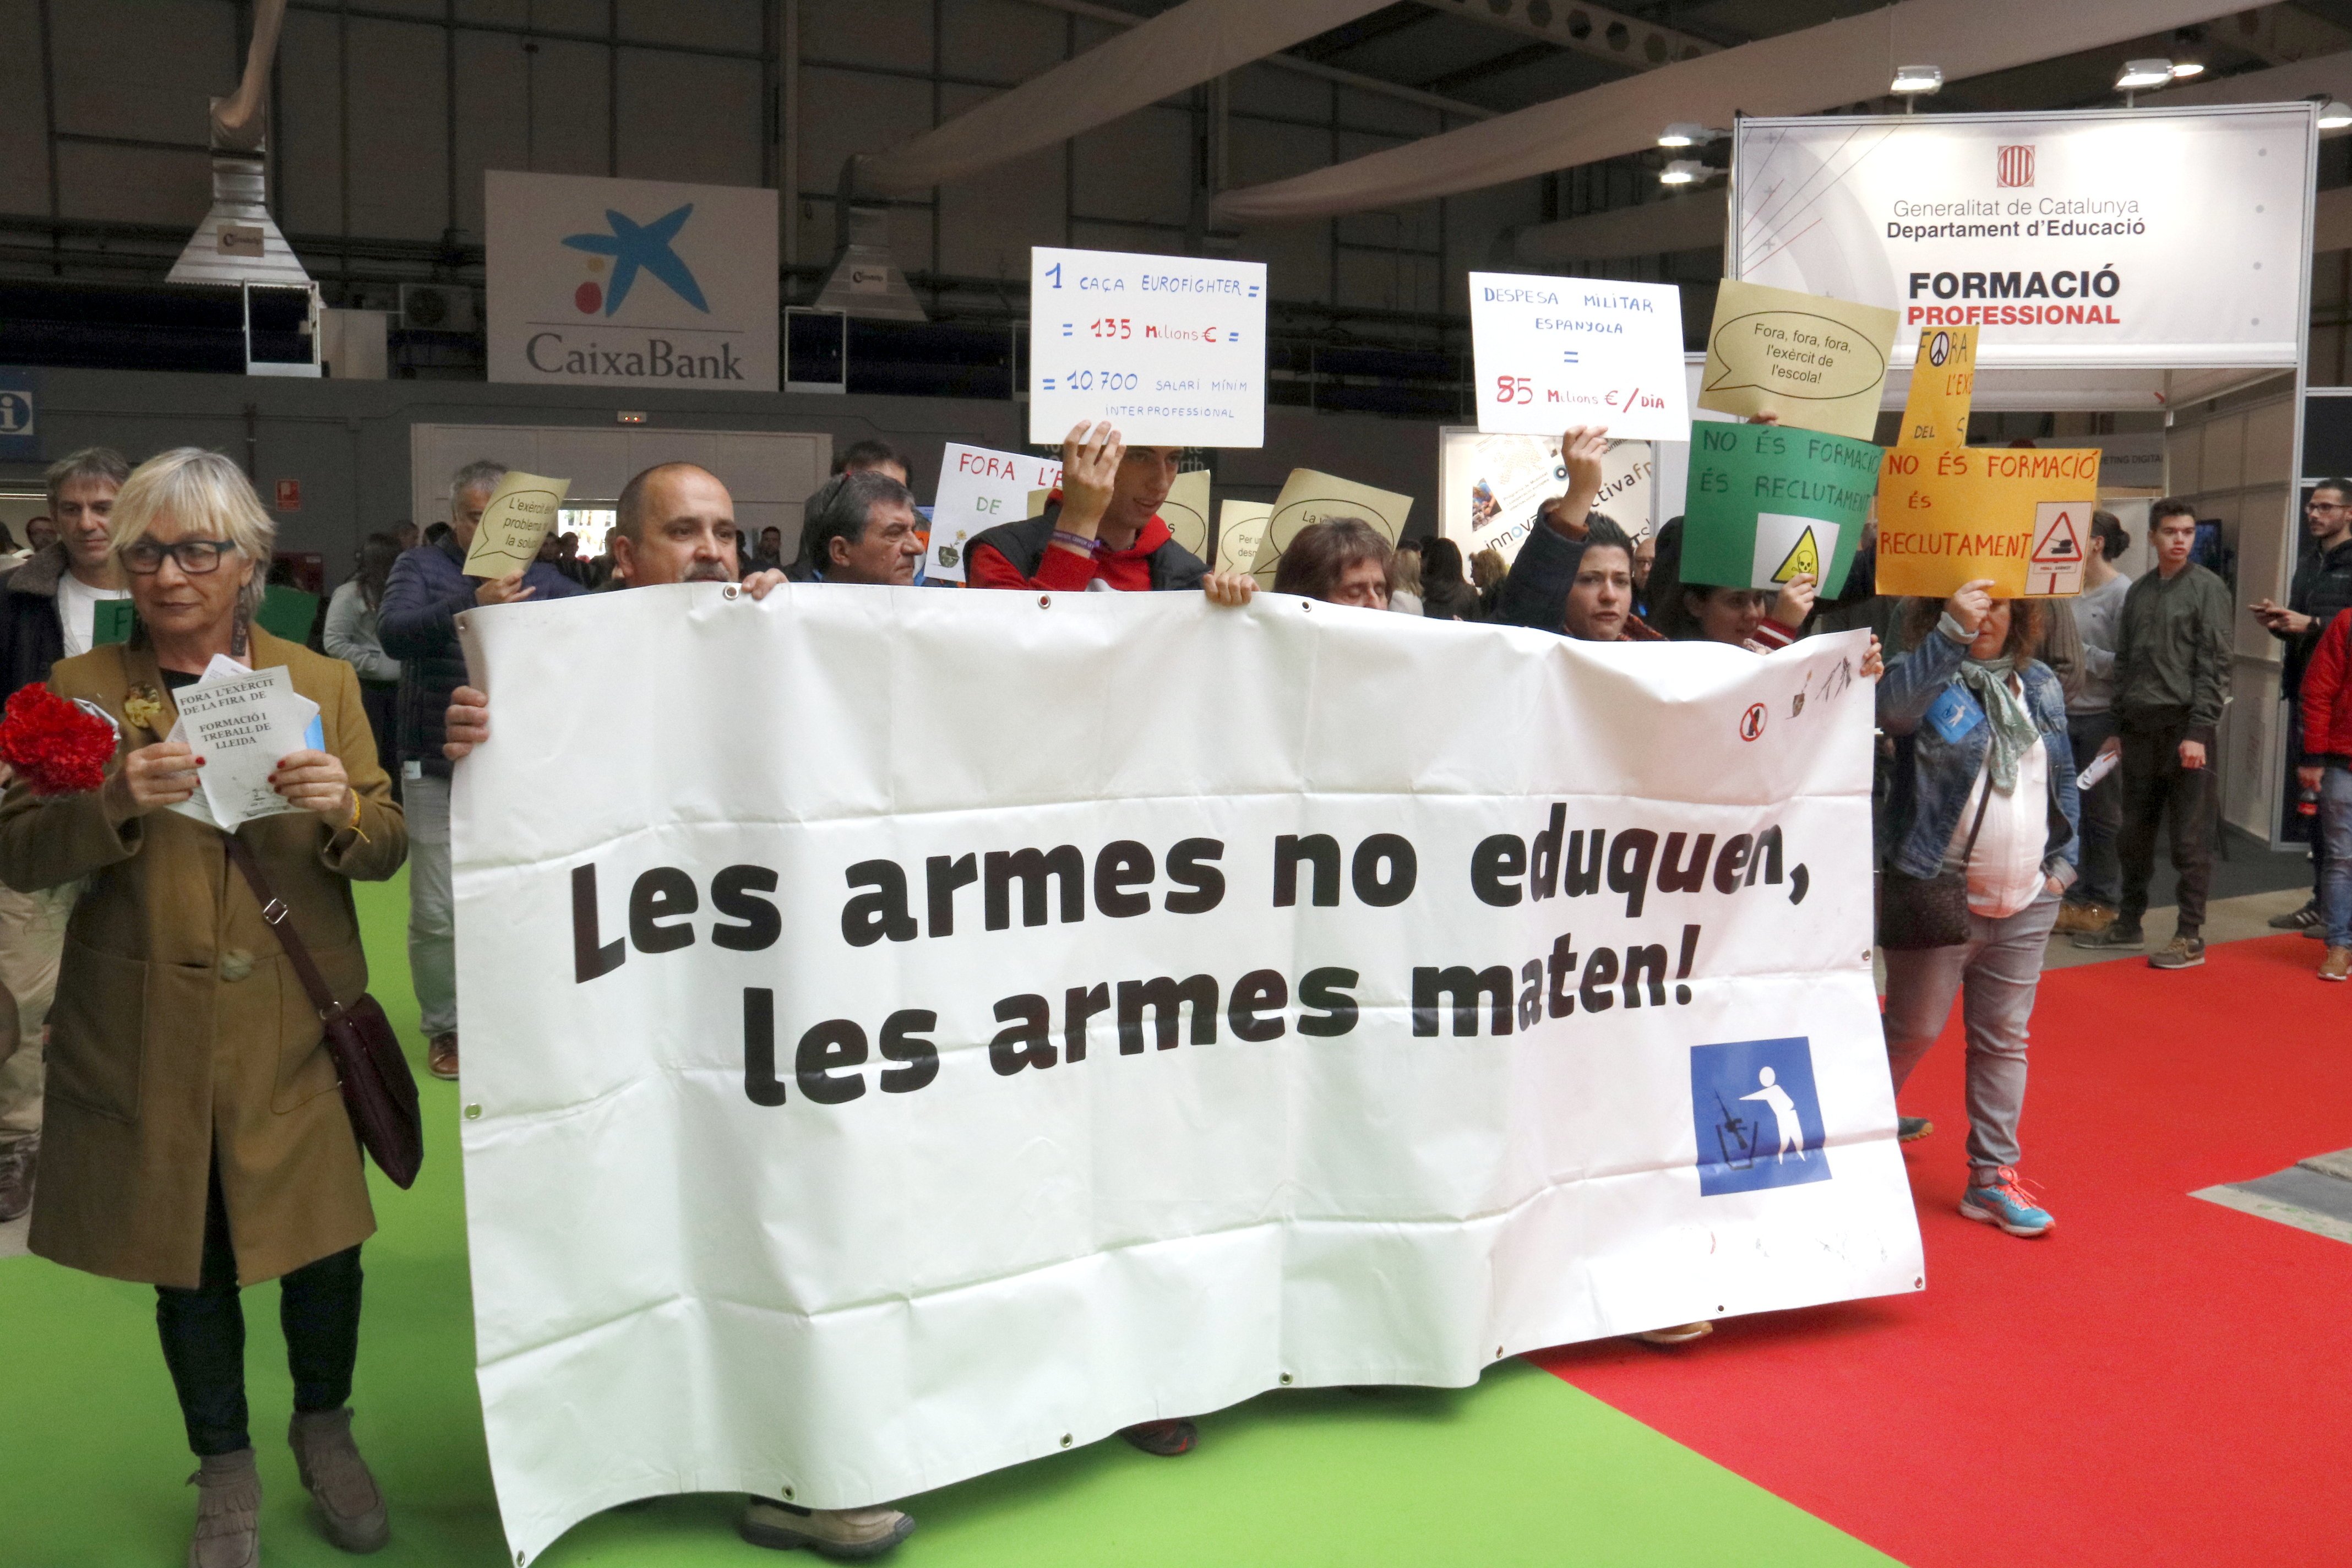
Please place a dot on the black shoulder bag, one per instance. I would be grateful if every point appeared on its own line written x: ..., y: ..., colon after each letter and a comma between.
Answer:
x: 1929, y: 911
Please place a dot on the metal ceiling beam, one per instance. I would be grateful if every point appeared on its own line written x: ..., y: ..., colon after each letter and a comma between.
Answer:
x: 1594, y: 30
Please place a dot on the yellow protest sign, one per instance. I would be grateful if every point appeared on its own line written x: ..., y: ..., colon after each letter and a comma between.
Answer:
x: 1310, y: 497
x: 1943, y: 384
x: 520, y: 513
x: 2019, y: 516
x: 1186, y: 512
x: 1819, y: 363
x: 1241, y: 529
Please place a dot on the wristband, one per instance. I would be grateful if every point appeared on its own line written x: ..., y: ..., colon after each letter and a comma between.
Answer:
x: 1077, y: 541
x: 354, y: 825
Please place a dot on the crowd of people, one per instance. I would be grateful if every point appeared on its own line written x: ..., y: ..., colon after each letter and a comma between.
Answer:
x: 193, y: 1139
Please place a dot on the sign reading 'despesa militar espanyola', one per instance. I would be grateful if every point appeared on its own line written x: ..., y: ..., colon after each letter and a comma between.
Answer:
x: 2103, y: 238
x: 596, y: 282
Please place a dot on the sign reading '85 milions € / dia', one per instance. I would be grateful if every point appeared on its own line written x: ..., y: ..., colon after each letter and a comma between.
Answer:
x: 600, y: 282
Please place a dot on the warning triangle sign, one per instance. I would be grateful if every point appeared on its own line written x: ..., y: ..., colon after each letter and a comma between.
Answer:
x: 1804, y: 556
x: 2060, y: 546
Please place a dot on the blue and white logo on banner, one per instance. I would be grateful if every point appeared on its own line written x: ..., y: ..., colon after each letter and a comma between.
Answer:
x: 1758, y: 1116
x: 20, y: 424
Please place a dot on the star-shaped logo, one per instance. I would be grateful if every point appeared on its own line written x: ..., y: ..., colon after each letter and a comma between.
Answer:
x: 633, y: 246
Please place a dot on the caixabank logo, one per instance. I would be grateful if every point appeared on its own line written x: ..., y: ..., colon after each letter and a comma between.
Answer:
x: 1758, y: 1116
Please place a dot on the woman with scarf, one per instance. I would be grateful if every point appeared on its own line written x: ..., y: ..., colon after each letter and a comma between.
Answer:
x: 1984, y: 780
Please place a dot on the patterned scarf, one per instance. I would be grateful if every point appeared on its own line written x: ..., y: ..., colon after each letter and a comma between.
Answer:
x: 2013, y: 729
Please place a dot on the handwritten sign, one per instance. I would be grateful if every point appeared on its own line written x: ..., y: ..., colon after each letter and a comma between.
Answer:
x: 2019, y: 516
x: 1309, y: 497
x: 978, y: 490
x: 520, y: 513
x: 1767, y: 503
x: 1169, y: 349
x: 1943, y: 386
x: 1241, y: 529
x: 1817, y: 363
x: 1556, y: 352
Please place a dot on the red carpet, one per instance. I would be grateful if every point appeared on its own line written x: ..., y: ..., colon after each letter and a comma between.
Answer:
x: 2159, y: 1380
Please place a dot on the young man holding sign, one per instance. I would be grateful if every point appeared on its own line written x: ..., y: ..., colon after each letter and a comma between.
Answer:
x: 2172, y: 679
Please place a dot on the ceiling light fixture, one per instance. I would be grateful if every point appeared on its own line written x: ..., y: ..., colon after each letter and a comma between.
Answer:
x: 2335, y: 115
x: 1912, y: 83
x: 2139, y: 75
x: 1683, y: 171
x: 1685, y: 133
x: 2183, y: 69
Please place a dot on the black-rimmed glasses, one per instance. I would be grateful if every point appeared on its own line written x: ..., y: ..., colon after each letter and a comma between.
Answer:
x: 195, y: 557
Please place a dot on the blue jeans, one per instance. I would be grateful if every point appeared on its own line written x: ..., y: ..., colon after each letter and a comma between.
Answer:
x: 1996, y: 973
x: 2335, y: 833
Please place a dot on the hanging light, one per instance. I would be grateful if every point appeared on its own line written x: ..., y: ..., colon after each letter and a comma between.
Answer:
x: 2335, y: 115
x: 2183, y: 69
x: 2139, y: 75
x: 1912, y: 81
x: 1685, y: 133
x: 1683, y: 171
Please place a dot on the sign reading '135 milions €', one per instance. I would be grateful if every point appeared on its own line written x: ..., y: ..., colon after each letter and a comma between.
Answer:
x: 630, y: 283
x: 1169, y: 349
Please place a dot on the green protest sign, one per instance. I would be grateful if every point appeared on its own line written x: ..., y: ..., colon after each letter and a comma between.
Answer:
x: 111, y: 622
x: 1767, y: 502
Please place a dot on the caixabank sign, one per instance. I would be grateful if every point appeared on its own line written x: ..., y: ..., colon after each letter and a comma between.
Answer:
x: 630, y: 283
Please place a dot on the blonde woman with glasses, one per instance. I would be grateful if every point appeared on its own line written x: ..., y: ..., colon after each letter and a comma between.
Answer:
x: 196, y: 1137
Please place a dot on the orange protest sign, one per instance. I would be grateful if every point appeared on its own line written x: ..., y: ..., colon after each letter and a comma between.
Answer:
x: 2019, y: 516
x: 1943, y: 384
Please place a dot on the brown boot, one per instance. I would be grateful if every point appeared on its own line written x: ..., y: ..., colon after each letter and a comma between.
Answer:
x: 228, y: 1512
x: 441, y: 1055
x: 351, y: 1508
x: 2338, y: 965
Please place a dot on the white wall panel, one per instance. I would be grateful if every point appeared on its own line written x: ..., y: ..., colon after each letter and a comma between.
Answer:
x: 999, y: 41
x: 1139, y: 167
x: 24, y: 164
x: 308, y: 137
x: 871, y: 31
x: 146, y: 68
x: 596, y: 461
x: 703, y: 24
x: 399, y: 129
x: 684, y: 117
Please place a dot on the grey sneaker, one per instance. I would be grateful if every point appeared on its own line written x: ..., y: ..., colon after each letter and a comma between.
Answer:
x: 844, y: 1534
x: 349, y: 1505
x: 2119, y: 936
x: 228, y: 1512
x: 2303, y: 919
x: 2181, y: 952
x: 20, y: 1160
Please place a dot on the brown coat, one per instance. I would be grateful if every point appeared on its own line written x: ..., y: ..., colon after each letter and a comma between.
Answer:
x: 179, y: 1029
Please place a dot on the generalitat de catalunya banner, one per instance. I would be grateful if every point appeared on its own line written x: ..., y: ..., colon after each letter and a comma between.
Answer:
x: 968, y: 1040
x: 2162, y: 237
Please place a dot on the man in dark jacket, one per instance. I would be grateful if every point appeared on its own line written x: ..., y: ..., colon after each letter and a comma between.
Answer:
x: 2321, y: 588
x: 2173, y: 679
x: 417, y: 625
x: 48, y: 611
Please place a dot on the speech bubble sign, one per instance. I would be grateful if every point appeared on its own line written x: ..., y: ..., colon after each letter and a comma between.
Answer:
x: 1186, y: 512
x: 518, y: 516
x: 1953, y: 515
x: 1812, y: 360
x: 1767, y: 502
x: 1310, y: 497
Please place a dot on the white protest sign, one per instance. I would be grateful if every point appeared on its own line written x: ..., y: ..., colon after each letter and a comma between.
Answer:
x: 978, y: 490
x: 240, y: 722
x: 947, y: 1104
x: 1556, y: 352
x: 1169, y: 349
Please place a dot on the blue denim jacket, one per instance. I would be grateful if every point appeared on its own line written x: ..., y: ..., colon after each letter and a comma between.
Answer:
x: 1933, y: 777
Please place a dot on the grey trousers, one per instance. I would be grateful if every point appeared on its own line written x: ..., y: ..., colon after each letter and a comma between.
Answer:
x: 432, y: 925
x: 32, y: 939
x: 1995, y: 973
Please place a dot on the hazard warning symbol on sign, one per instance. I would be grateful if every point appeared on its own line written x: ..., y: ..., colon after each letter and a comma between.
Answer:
x: 2055, y: 569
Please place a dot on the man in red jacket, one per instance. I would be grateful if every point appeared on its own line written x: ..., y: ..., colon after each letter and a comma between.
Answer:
x: 1101, y: 528
x: 2326, y: 700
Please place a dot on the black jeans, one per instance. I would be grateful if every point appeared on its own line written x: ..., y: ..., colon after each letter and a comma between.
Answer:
x: 2101, y: 811
x: 2155, y: 784
x: 204, y: 1336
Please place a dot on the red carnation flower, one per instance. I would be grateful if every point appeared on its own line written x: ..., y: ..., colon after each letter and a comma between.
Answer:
x: 55, y: 746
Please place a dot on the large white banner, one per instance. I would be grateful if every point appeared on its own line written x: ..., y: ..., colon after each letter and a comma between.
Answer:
x: 970, y: 1039
x: 598, y: 282
x: 2171, y: 238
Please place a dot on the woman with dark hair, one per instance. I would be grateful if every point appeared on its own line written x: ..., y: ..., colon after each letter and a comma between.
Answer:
x: 1984, y: 784
x: 1340, y: 561
x: 1745, y: 617
x: 351, y: 635
x: 1445, y: 596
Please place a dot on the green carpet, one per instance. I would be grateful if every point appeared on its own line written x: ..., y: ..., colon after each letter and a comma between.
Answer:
x: 1521, y: 1469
